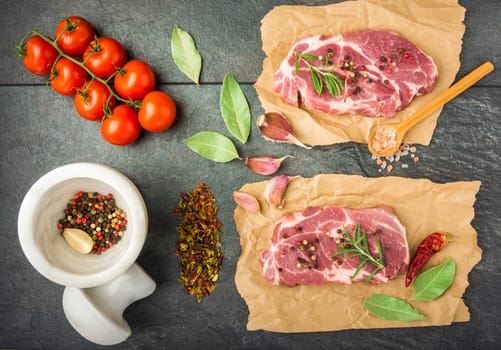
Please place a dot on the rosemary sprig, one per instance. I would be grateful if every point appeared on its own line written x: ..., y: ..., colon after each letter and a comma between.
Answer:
x: 321, y: 75
x: 356, y: 245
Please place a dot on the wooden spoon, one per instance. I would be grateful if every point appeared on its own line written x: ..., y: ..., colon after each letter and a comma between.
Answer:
x: 385, y: 140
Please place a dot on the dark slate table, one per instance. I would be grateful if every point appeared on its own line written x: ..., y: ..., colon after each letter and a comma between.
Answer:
x: 40, y: 131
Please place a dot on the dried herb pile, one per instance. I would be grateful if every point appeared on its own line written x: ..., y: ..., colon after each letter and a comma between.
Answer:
x: 198, y: 246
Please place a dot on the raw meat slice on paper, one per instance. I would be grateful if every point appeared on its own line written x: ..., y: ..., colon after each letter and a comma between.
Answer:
x: 381, y: 71
x: 439, y: 33
x: 421, y: 205
x: 303, y: 245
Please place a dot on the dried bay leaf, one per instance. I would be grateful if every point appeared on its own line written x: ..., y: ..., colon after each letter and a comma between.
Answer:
x: 213, y: 146
x: 391, y: 309
x: 432, y: 283
x: 234, y: 108
x: 185, y: 54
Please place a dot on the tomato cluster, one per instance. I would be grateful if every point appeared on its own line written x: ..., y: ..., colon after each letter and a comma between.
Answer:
x: 104, y: 84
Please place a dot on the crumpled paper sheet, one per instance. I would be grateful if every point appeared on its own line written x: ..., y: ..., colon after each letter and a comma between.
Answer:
x: 422, y: 206
x: 434, y: 26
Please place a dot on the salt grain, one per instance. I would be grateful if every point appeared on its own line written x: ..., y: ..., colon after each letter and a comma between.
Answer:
x: 384, y: 139
x: 403, y: 151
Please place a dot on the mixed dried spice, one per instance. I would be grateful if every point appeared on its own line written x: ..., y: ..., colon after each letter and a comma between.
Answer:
x: 198, y: 246
x: 97, y: 215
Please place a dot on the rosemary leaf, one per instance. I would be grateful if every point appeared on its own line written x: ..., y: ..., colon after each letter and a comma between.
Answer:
x: 335, y: 82
x: 372, y: 274
x: 321, y: 75
x: 332, y: 88
x: 307, y: 57
x: 317, y: 82
x: 364, y: 240
x: 360, y: 266
x: 356, y: 246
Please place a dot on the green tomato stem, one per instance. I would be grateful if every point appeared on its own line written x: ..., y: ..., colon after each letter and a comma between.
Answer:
x: 53, y: 43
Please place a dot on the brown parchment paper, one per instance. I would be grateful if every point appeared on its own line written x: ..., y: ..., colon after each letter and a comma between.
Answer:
x: 421, y: 205
x: 435, y: 26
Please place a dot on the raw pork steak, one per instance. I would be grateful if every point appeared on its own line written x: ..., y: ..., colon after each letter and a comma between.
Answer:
x: 303, y: 245
x: 381, y: 72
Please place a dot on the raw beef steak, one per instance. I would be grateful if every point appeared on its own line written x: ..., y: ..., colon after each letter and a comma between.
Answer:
x: 380, y: 70
x: 303, y: 245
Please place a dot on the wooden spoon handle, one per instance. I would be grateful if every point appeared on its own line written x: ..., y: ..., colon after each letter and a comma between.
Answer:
x: 463, y: 84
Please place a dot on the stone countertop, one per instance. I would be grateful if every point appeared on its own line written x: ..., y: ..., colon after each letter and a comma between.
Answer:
x: 41, y: 131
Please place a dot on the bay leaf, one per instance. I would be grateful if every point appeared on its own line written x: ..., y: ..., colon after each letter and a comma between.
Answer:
x: 185, y: 54
x: 432, y: 283
x: 213, y: 146
x: 235, y: 109
x: 391, y: 309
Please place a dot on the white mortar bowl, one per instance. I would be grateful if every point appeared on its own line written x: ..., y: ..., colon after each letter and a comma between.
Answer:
x: 47, y: 250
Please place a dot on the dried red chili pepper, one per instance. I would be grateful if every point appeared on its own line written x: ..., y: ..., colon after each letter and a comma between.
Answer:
x: 429, y: 246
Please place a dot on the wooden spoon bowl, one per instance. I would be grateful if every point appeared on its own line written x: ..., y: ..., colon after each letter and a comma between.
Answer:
x: 385, y: 140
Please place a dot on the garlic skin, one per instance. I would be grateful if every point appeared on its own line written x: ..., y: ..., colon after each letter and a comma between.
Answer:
x: 78, y: 240
x: 246, y: 201
x: 274, y: 126
x: 264, y: 165
x: 275, y: 190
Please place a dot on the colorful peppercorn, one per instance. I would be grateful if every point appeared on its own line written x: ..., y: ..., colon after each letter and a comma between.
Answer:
x: 98, y: 216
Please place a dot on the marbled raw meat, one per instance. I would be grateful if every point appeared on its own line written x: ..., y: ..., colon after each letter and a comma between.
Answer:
x: 291, y: 262
x: 382, y: 72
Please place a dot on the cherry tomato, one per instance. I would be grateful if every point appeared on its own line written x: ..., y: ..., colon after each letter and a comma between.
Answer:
x: 157, y: 112
x: 103, y: 56
x: 135, y: 80
x: 74, y: 34
x: 91, y: 100
x: 39, y: 56
x: 67, y: 77
x: 121, y: 127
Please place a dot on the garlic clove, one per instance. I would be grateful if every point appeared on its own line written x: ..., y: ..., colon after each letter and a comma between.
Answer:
x: 275, y: 190
x: 276, y: 127
x: 265, y: 165
x: 247, y: 201
x: 78, y: 240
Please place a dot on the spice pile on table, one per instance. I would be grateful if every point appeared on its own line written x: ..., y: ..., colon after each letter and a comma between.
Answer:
x: 198, y: 246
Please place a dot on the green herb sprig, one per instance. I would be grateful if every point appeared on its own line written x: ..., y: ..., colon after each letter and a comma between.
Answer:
x: 356, y: 245
x: 322, y: 75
